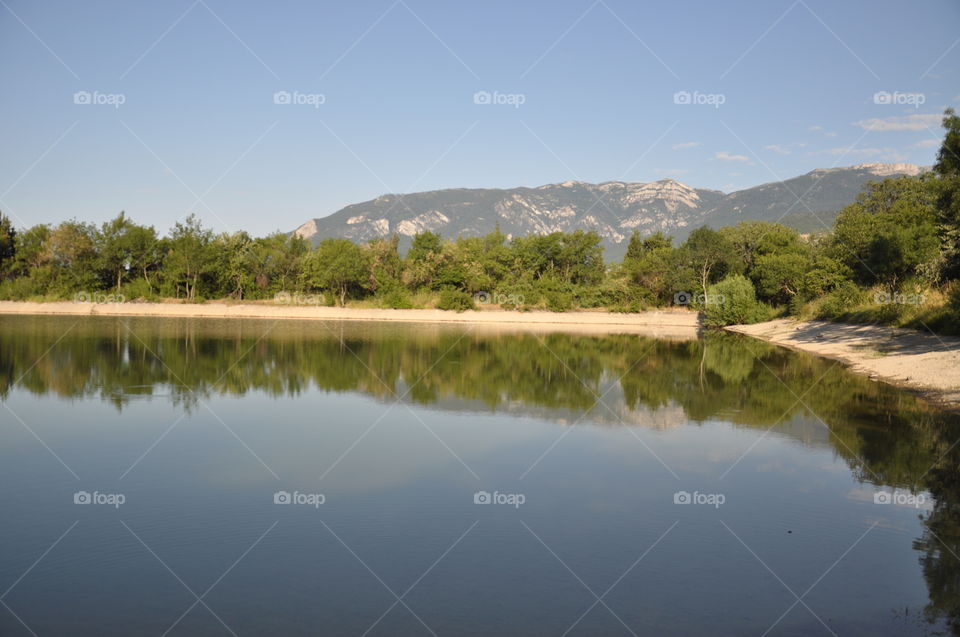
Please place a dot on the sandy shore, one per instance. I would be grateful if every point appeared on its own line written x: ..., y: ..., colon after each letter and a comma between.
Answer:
x: 675, y: 324
x: 924, y: 363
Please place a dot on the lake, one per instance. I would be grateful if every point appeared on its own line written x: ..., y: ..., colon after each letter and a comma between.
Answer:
x: 184, y: 476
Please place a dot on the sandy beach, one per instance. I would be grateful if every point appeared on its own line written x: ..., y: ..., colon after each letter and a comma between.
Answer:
x: 673, y: 324
x: 924, y: 363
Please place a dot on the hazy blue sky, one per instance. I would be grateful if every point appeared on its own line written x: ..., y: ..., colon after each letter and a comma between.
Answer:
x: 586, y: 90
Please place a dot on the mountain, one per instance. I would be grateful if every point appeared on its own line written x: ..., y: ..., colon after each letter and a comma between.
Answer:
x: 613, y: 209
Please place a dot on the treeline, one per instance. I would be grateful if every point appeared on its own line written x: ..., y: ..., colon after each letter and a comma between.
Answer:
x: 893, y: 256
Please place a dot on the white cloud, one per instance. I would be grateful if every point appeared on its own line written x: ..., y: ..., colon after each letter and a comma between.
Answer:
x: 686, y: 145
x: 725, y: 156
x: 927, y: 143
x: 815, y: 128
x: 830, y: 134
x: 917, y: 122
x: 778, y: 149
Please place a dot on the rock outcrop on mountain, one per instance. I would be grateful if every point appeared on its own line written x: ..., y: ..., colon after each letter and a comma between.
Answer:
x: 613, y: 209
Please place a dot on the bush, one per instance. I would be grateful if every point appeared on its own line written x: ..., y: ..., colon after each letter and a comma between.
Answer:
x: 734, y: 301
x: 559, y: 301
x: 839, y: 302
x: 455, y: 300
x: 397, y: 298
x: 136, y: 290
x: 19, y: 289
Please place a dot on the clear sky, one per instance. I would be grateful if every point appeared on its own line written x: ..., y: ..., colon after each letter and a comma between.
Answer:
x: 178, y: 109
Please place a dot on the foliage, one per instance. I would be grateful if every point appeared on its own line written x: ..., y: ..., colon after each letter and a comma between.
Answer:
x: 336, y: 266
x: 455, y: 300
x: 901, y: 235
x: 733, y: 301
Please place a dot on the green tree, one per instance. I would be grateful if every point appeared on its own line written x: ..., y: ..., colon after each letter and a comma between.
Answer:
x: 336, y: 266
x: 8, y: 245
x: 189, y: 257
x: 71, y: 252
x: 424, y: 261
x: 30, y: 253
x: 947, y: 168
x: 889, y: 232
x: 711, y: 255
x: 654, y: 266
x: 733, y: 301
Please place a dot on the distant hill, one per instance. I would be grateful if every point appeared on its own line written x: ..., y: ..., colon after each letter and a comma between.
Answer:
x: 613, y: 209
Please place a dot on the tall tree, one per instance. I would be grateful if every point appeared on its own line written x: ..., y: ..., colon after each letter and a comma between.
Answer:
x: 947, y: 169
x: 189, y: 256
x: 711, y: 255
x: 8, y: 245
x: 889, y: 232
x: 336, y: 266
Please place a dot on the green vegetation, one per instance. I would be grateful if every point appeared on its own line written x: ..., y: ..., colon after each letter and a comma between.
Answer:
x: 893, y: 257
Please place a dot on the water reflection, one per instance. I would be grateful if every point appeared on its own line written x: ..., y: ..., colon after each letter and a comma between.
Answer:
x: 886, y: 436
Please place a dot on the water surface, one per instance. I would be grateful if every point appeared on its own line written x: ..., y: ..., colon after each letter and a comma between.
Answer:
x: 713, y: 486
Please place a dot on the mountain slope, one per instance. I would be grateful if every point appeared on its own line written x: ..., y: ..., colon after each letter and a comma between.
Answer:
x: 613, y: 209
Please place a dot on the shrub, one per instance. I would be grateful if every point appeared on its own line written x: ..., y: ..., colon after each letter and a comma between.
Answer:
x: 398, y: 298
x: 844, y: 298
x: 137, y: 290
x: 734, y: 301
x: 558, y: 301
x: 456, y: 300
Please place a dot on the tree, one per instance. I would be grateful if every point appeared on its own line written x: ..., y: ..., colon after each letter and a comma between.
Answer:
x: 711, y: 256
x: 779, y: 276
x: 753, y: 239
x: 114, y: 249
x: 189, y: 256
x: 234, y: 263
x: 70, y: 249
x: 335, y: 266
x: 8, y: 245
x: 889, y: 232
x: 30, y: 253
x: 947, y: 169
x: 734, y: 303
x: 654, y: 265
x: 424, y: 261
x: 145, y: 251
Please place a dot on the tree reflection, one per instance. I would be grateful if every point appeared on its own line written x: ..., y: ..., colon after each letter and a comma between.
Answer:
x: 886, y: 436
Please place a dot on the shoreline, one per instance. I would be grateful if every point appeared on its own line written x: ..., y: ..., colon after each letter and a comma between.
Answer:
x: 667, y: 324
x: 925, y: 364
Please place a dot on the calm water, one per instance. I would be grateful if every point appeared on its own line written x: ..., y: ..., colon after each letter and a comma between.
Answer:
x: 185, y: 433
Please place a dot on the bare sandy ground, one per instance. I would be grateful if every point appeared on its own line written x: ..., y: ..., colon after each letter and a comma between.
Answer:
x: 925, y: 363
x: 674, y: 325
